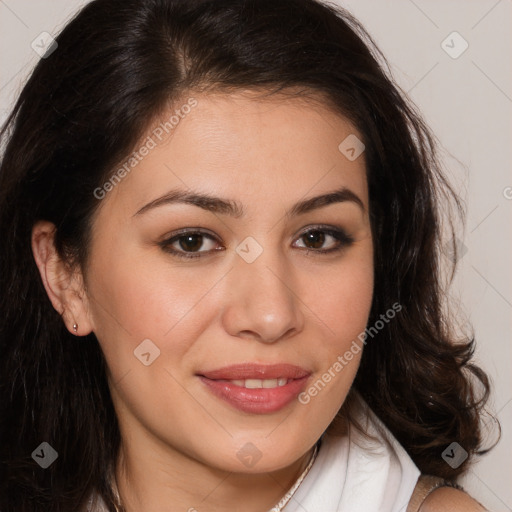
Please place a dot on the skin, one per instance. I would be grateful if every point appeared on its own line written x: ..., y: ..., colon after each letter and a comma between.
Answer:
x: 447, y: 499
x: 179, y: 442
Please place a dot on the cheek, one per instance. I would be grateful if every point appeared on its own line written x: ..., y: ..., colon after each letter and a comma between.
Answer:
x: 136, y: 297
x: 342, y: 303
x: 344, y: 299
x: 343, y: 309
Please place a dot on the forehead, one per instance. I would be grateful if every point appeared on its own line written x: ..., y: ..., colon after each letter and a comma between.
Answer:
x: 244, y: 126
x: 242, y: 145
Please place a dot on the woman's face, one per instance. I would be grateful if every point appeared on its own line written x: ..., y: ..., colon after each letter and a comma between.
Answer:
x: 256, y: 293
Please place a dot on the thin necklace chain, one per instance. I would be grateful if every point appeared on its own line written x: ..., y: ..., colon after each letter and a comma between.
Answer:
x: 288, y: 496
x: 277, y: 508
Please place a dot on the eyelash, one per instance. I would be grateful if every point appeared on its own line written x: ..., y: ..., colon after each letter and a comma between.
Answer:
x: 344, y: 240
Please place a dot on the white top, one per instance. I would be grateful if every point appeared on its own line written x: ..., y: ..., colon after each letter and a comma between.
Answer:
x: 351, y: 473
x: 355, y: 474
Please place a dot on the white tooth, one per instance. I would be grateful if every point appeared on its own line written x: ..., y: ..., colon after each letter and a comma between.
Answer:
x: 238, y: 383
x: 269, y: 383
x: 282, y: 382
x: 253, y: 383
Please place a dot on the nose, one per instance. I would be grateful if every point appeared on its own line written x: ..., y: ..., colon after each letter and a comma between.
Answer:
x: 263, y: 299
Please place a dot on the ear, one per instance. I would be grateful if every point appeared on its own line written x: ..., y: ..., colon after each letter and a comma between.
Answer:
x: 64, y: 285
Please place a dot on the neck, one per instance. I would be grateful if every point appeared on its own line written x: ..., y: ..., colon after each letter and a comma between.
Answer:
x: 149, y: 479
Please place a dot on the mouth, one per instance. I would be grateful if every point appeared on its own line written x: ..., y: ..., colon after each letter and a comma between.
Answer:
x: 256, y: 389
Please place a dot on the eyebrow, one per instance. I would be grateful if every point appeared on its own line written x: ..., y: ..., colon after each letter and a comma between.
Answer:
x: 236, y: 210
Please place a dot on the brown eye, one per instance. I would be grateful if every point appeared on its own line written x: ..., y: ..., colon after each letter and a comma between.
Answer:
x: 189, y: 244
x: 315, y: 238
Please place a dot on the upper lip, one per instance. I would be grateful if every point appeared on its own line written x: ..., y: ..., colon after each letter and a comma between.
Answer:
x: 256, y: 371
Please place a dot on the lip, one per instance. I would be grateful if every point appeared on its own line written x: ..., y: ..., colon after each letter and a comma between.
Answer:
x: 259, y: 400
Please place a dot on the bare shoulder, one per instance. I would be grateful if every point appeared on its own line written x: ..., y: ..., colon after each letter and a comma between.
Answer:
x: 448, y: 499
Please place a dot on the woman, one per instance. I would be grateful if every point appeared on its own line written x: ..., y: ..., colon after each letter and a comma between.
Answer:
x: 221, y: 287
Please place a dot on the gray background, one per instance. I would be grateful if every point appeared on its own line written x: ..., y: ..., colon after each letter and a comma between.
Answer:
x: 467, y: 101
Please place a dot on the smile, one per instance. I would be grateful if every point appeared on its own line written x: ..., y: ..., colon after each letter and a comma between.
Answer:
x: 256, y: 389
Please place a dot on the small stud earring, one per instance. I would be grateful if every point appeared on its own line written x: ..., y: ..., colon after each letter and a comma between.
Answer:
x: 75, y: 328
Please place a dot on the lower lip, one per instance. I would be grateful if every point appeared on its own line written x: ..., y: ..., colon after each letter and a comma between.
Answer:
x: 259, y: 400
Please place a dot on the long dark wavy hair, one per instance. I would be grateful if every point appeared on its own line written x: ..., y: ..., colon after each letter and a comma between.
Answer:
x: 118, y: 65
